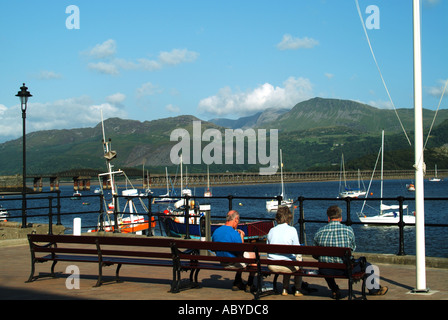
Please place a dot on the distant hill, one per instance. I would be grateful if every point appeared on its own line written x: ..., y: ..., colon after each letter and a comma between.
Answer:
x: 313, y: 135
x: 255, y: 121
x: 320, y: 112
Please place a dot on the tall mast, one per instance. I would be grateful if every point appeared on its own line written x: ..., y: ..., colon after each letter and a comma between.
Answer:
x: 382, y: 167
x: 281, y: 173
x: 419, y: 161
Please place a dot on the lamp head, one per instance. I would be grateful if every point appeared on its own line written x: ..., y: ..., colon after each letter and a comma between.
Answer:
x: 23, y: 94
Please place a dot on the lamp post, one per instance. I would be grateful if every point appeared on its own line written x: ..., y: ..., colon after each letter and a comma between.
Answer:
x: 23, y: 94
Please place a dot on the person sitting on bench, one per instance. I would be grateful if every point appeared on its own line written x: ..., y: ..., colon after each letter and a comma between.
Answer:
x: 335, y: 234
x: 283, y: 233
x: 230, y: 233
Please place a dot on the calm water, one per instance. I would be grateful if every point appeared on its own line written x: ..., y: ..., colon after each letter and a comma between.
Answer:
x: 379, y: 239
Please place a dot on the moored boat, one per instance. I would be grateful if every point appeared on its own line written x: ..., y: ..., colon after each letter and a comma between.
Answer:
x: 387, y: 213
x: 133, y: 222
x: 175, y: 226
x: 3, y: 214
x: 272, y: 205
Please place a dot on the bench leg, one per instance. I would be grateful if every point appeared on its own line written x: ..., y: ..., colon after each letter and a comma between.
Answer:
x: 52, y: 268
x: 275, y: 283
x: 100, y: 275
x: 176, y: 280
x: 31, y: 278
x: 364, y: 297
x: 194, y: 279
x: 350, y: 289
x: 117, y: 273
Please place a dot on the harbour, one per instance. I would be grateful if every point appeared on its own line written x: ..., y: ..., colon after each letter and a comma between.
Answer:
x: 318, y: 196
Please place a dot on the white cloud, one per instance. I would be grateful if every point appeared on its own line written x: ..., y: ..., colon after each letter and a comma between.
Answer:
x: 436, y: 91
x: 104, y: 67
x: 291, y: 43
x: 48, y: 75
x: 381, y: 104
x: 177, y: 56
x: 172, y: 108
x: 116, y: 98
x: 103, y: 50
x: 329, y: 75
x: 107, y: 63
x: 60, y: 114
x: 149, y: 65
x: 226, y: 102
x: 147, y: 89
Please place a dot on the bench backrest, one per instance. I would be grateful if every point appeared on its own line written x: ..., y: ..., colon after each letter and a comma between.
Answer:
x: 120, y: 246
x: 107, y: 240
x: 106, y: 245
x: 263, y: 249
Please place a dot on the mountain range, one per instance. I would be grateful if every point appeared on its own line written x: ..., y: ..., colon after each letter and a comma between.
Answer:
x: 313, y: 135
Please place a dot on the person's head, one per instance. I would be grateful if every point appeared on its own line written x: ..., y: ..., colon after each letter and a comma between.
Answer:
x: 334, y: 213
x: 283, y: 215
x: 232, y: 218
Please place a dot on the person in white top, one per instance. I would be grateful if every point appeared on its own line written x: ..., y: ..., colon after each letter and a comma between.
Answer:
x: 283, y: 233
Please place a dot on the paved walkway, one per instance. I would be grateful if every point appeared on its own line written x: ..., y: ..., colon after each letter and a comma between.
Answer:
x: 151, y: 283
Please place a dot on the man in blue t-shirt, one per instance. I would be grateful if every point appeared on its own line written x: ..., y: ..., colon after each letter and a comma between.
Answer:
x: 230, y: 233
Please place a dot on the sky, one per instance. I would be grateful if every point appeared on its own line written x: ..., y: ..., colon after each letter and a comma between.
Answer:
x: 147, y: 60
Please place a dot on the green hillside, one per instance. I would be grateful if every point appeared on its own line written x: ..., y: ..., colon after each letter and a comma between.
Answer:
x: 313, y: 135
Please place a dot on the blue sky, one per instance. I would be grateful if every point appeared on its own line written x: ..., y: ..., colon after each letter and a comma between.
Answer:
x: 147, y: 60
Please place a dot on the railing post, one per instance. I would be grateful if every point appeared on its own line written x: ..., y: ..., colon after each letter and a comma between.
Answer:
x: 58, y: 201
x: 116, y: 226
x: 149, y: 234
x: 230, y: 197
x: 349, y: 222
x: 50, y: 215
x: 187, y: 217
x: 401, y: 228
x: 101, y: 211
x: 301, y: 220
x: 279, y: 201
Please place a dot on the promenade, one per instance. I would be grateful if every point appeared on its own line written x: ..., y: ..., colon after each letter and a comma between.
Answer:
x: 152, y: 283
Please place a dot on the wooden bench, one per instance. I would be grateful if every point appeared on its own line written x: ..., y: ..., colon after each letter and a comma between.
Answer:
x: 190, y: 256
x: 105, y: 251
x: 180, y: 255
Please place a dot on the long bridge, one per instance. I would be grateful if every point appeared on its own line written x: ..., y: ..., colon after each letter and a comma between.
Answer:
x: 82, y: 179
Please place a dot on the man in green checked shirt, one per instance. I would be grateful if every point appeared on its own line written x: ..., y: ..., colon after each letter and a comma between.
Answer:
x: 335, y: 234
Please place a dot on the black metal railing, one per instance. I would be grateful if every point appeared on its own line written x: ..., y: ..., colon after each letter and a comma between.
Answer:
x: 53, y: 211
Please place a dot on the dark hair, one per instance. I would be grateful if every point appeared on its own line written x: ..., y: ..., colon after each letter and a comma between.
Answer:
x: 283, y: 215
x: 334, y: 212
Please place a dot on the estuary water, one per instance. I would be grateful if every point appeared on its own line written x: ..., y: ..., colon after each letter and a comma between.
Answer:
x: 372, y: 239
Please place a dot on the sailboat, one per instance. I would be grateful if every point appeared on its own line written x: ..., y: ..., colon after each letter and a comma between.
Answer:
x: 272, y: 205
x: 166, y: 198
x: 349, y: 192
x: 184, y: 192
x: 435, y: 179
x: 132, y: 223
x: 387, y: 213
x: 207, y: 192
x: 147, y: 189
